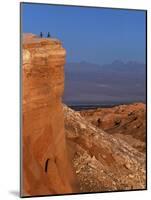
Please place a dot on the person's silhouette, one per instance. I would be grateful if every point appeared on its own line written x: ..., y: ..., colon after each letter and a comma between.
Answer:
x: 41, y: 35
x: 48, y: 35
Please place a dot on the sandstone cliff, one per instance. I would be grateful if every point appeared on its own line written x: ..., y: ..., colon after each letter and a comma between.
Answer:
x: 46, y: 168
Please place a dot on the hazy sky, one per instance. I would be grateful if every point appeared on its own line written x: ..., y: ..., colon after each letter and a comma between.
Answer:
x: 94, y: 35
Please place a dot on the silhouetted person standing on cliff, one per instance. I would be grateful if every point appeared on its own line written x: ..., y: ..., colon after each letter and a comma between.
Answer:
x: 41, y: 35
x: 48, y: 35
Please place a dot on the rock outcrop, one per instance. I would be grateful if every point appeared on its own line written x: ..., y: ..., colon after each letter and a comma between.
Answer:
x: 127, y: 122
x: 46, y: 167
x: 102, y: 162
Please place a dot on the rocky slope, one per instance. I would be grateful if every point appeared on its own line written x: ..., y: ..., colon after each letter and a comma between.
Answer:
x: 102, y: 162
x: 127, y: 122
x: 46, y: 167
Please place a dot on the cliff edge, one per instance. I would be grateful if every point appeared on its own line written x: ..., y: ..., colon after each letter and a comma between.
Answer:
x: 46, y: 167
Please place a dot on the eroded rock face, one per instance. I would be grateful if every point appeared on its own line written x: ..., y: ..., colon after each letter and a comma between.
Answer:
x: 102, y: 162
x: 127, y: 122
x: 46, y: 168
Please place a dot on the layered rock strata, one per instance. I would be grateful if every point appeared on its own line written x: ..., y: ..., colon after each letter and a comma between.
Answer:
x: 46, y: 167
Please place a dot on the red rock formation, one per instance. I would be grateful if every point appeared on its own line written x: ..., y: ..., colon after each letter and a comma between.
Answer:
x: 46, y: 168
x: 127, y: 122
x: 102, y: 162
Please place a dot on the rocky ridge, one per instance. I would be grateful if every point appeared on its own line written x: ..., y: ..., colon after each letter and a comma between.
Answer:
x: 127, y: 122
x: 102, y: 162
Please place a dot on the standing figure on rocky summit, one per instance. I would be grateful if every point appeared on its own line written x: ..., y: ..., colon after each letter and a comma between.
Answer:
x: 48, y: 35
x: 41, y: 35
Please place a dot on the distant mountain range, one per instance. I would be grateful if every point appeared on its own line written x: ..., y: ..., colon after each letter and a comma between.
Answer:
x: 89, y: 83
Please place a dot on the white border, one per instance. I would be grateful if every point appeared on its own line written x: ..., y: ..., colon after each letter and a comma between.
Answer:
x: 9, y: 98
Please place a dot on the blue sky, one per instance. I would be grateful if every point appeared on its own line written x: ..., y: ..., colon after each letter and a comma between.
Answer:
x: 94, y: 35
